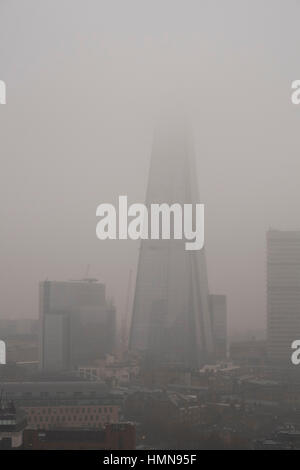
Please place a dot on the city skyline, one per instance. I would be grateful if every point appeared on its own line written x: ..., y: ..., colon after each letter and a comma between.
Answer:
x: 150, y: 228
x: 77, y: 131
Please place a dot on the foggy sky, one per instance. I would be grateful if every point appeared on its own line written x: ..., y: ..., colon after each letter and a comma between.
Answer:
x: 85, y: 81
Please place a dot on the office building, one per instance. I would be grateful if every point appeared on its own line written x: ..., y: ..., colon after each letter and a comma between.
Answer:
x: 283, y: 294
x: 77, y: 324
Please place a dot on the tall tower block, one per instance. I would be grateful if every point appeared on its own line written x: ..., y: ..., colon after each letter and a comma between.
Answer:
x: 171, y: 320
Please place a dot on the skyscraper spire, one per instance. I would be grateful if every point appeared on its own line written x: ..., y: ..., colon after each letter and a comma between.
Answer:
x: 171, y: 319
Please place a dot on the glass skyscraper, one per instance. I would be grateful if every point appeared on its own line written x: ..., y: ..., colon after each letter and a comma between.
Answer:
x: 171, y: 319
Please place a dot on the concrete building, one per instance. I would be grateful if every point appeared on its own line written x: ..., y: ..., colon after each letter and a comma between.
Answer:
x: 110, y: 371
x: 77, y: 324
x: 70, y: 416
x: 118, y: 436
x: 64, y: 405
x: 12, y: 425
x: 283, y: 294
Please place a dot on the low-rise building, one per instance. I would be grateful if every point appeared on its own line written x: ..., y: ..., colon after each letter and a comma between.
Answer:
x: 118, y: 436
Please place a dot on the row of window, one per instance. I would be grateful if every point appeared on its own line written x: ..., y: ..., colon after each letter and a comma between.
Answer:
x: 46, y: 419
x: 91, y: 393
x: 104, y: 409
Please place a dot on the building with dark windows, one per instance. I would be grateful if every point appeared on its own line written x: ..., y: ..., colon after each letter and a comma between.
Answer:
x: 119, y: 436
x: 61, y: 405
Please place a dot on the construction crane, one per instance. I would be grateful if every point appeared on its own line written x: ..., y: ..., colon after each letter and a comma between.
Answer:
x: 125, y: 322
x: 86, y: 278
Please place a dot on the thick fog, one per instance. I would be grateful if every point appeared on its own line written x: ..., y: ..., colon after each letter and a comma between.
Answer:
x: 86, y: 81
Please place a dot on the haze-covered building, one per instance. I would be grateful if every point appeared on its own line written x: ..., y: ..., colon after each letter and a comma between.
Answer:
x: 77, y: 324
x: 12, y: 424
x: 283, y: 294
x: 171, y: 317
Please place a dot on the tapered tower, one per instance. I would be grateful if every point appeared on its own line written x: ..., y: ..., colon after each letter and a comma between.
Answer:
x: 171, y: 320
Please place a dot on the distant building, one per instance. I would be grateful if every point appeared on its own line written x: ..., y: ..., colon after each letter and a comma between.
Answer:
x: 77, y: 324
x: 18, y: 327
x: 261, y: 391
x: 248, y: 352
x: 161, y: 410
x: 12, y: 425
x: 22, y: 348
x: 283, y: 294
x: 110, y: 371
x: 92, y: 414
x: 119, y: 436
x: 162, y: 375
x: 65, y: 405
x: 20, y: 337
x: 218, y: 306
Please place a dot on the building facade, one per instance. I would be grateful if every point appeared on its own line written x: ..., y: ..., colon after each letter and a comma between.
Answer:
x: 12, y: 424
x: 79, y: 415
x: 283, y: 294
x: 119, y: 436
x: 65, y: 405
x: 77, y: 324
